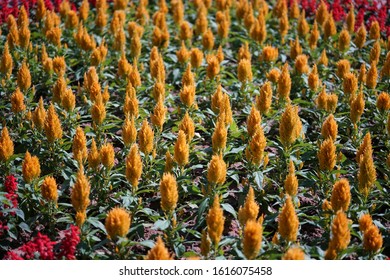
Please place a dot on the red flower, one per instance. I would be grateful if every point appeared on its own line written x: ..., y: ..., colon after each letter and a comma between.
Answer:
x: 69, y: 243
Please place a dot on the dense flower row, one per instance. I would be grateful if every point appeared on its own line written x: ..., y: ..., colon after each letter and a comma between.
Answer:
x: 241, y: 129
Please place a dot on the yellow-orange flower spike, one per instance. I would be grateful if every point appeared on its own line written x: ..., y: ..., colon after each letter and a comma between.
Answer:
x: 98, y: 110
x: 323, y: 60
x: 295, y: 49
x: 158, y: 116
x: 217, y: 99
x: 290, y: 125
x: 341, y: 235
x: 6, y: 62
x: 343, y: 67
x: 327, y: 155
x: 264, y: 100
x: 80, y: 192
x: 93, y: 156
x: 372, y: 76
x: 169, y: 192
x: 365, y: 222
x: 383, y: 102
x: 84, y: 10
x: 350, y: 83
x: 351, y: 19
x: 329, y: 27
x: 168, y: 162
x: 52, y: 127
x: 68, y: 100
x: 364, y: 147
x: 244, y: 71
x: 41, y: 10
x: 146, y: 138
x: 196, y: 57
x: 133, y: 166
x: 208, y: 40
x: 181, y: 150
x: 225, y: 111
x: 188, y: 126
x: 49, y: 189
x: 303, y: 26
x: 375, y: 52
x: 313, y: 79
x: 244, y: 52
x: 215, y: 221
x: 79, y: 147
x: 269, y: 54
x: 213, y: 66
x: 255, y: 150
x: 329, y: 128
x: 219, y: 137
x: 216, y: 172
x: 372, y: 239
x: 6, y: 145
x: 357, y: 107
x: 31, y: 168
x: 117, y: 223
x: 24, y: 77
x: 314, y: 35
x: 361, y: 35
x: 252, y: 237
x: 366, y: 174
x: 183, y: 54
x: 17, y: 102
x: 159, y: 251
x: 129, y: 131
x: 284, y: 84
x: 288, y: 221
x: 107, y: 155
x: 250, y: 209
x: 294, y: 253
x: 341, y: 195
x: 291, y: 181
x: 253, y: 121
x: 375, y: 30
x: 322, y: 13
x: 301, y: 64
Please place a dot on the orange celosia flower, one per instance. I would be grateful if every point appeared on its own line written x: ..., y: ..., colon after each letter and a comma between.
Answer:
x: 360, y: 38
x: 290, y: 125
x: 181, y: 150
x: 244, y: 71
x: 350, y: 83
x: 52, y: 125
x: 313, y: 79
x: 294, y: 253
x: 93, y: 156
x: 357, y: 107
x: 219, y: 136
x: 327, y: 155
x: 117, y: 222
x: 284, y: 84
x: 264, y: 100
x: 314, y: 35
x: 366, y: 174
x: 329, y: 128
x: 215, y: 221
x: 17, y: 102
x: 129, y: 131
x: 252, y: 237
x: 250, y: 209
x: 291, y: 181
x: 341, y: 195
x: 253, y: 121
x: 133, y: 166
x: 6, y: 145
x: 216, y: 172
x: 375, y: 30
x: 158, y: 252
x: 49, y: 189
x: 288, y: 221
x: 351, y: 19
x: 79, y: 147
x: 188, y: 126
x: 107, y: 155
x: 31, y: 168
x: 158, y: 116
x: 6, y: 62
x: 169, y: 192
x: 24, y: 77
x: 98, y: 110
x: 146, y: 138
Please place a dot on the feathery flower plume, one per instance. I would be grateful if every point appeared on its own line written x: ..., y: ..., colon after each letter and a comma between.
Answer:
x: 273, y: 75
x: 372, y: 76
x: 375, y: 31
x: 31, y: 168
x: 169, y: 192
x: 252, y: 237
x: 255, y: 149
x: 264, y: 100
x: 93, y: 156
x: 107, y: 155
x: 98, y: 110
x: 213, y: 66
x: 253, y: 121
x: 269, y: 54
x: 350, y: 83
x: 344, y: 40
x: 383, y: 102
x: 17, y: 101
x: 250, y: 209
x: 314, y: 35
x: 341, y: 195
x: 133, y: 166
x: 343, y: 67
x: 341, y: 235
x: 291, y: 181
x: 146, y: 138
x: 284, y: 84
x: 294, y: 253
x: 79, y: 147
x: 188, y: 126
x: 244, y: 71
x: 80, y: 196
x: 372, y: 239
x: 158, y: 252
x: 6, y: 145
x: 219, y: 136
x: 181, y: 150
x: 365, y: 222
x: 52, y: 126
x: 158, y: 116
x: 117, y: 222
x: 290, y: 125
x: 357, y: 107
x: 24, y: 77
x: 364, y: 147
x: 49, y: 189
x: 327, y: 155
x: 301, y: 64
x: 295, y: 48
x: 215, y: 222
x: 313, y: 79
x: 288, y: 221
x: 361, y: 35
x: 366, y: 174
x: 329, y: 128
x: 329, y: 27
x: 205, y: 244
x: 129, y: 131
x: 216, y: 172
x: 323, y: 60
x: 208, y: 40
x: 6, y: 62
x: 350, y: 20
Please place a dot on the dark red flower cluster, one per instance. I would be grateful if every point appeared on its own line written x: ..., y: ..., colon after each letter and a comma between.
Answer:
x: 41, y: 247
x: 3, y: 227
x: 11, y: 186
x: 69, y: 243
x: 366, y: 11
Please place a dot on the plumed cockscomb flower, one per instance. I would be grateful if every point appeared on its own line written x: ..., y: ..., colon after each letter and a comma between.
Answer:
x: 284, y: 84
x: 329, y: 128
x: 188, y: 126
x: 133, y: 166
x: 250, y: 209
x: 252, y: 237
x: 244, y: 71
x: 264, y: 100
x: 344, y: 40
x: 288, y: 221
x: 372, y: 239
x: 219, y: 136
x: 169, y: 192
x: 365, y: 222
x: 6, y: 145
x: 24, y: 77
x: 53, y: 129
x: 159, y: 251
x: 80, y: 196
x: 79, y: 147
x: 366, y: 174
x: 215, y: 221
x: 291, y: 181
x: 360, y: 37
x: 181, y: 149
x: 31, y: 168
x: 49, y: 189
x: 350, y: 83
x: 327, y: 155
x: 383, y: 102
x: 107, y: 155
x: 341, y: 195
x: 216, y: 172
x: 146, y: 138
x: 290, y: 125
x: 253, y: 121
x: 117, y: 223
x: 294, y: 253
x: 341, y: 235
x: 93, y: 156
